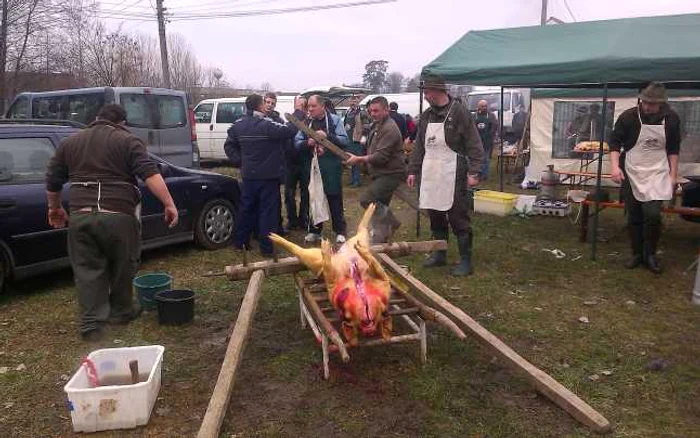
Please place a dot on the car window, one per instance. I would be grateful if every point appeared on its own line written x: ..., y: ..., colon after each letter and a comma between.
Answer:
x: 171, y: 111
x: 229, y: 112
x: 81, y: 108
x: 20, y: 109
x: 138, y: 113
x: 24, y: 159
x: 203, y: 112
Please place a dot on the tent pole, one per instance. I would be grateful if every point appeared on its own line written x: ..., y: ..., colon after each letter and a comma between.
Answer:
x: 420, y: 110
x: 599, y: 176
x: 500, y: 135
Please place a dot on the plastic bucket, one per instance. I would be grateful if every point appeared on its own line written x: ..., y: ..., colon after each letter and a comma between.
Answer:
x: 175, y: 306
x: 147, y: 285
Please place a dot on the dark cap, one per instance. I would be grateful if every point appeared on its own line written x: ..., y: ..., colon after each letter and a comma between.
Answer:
x: 434, y: 81
x: 655, y: 92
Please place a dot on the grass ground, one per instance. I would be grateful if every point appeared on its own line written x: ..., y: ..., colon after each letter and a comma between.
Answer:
x: 638, y: 322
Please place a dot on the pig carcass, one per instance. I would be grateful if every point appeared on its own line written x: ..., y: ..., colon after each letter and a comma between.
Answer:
x: 358, y: 287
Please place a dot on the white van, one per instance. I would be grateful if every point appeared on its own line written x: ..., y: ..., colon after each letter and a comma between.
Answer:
x: 158, y: 116
x: 409, y: 103
x: 512, y: 97
x: 213, y: 117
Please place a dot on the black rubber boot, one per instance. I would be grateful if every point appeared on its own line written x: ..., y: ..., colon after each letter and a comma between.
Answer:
x: 636, y: 234
x: 652, y: 233
x: 464, y: 268
x: 437, y: 258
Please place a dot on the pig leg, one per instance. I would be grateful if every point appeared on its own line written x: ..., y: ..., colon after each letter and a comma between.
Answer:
x: 375, y: 268
x: 387, y: 327
x: 350, y: 333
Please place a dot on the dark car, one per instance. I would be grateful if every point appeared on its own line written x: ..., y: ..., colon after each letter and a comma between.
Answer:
x: 207, y: 203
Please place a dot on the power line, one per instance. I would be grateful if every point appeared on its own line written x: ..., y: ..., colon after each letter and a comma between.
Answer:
x: 251, y: 13
x: 566, y: 3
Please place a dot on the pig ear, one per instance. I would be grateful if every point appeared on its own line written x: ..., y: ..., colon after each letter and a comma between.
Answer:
x: 328, y: 272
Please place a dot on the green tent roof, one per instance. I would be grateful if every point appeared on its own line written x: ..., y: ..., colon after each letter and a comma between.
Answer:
x: 622, y: 53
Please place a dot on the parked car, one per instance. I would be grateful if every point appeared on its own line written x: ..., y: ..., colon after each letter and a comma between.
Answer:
x: 158, y: 116
x: 213, y: 117
x: 207, y: 203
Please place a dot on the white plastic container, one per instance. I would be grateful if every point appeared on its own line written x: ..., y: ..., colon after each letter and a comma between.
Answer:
x: 492, y: 202
x: 525, y: 204
x: 121, y: 406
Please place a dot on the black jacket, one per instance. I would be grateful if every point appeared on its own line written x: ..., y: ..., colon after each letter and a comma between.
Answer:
x: 400, y: 121
x: 257, y: 144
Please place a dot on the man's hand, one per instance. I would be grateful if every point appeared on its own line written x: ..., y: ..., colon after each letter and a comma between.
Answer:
x: 311, y: 142
x: 354, y: 159
x: 411, y: 181
x: 617, y: 175
x: 171, y: 216
x: 320, y: 150
x: 321, y: 134
x: 472, y: 180
x: 57, y: 217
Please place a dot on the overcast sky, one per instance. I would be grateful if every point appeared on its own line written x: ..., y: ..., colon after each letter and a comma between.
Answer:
x: 299, y: 50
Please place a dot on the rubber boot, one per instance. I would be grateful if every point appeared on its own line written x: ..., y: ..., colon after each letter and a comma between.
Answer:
x: 437, y: 258
x: 464, y: 268
x: 652, y: 233
x: 636, y: 234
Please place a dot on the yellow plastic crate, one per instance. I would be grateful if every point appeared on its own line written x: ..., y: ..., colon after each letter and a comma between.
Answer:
x: 492, y: 202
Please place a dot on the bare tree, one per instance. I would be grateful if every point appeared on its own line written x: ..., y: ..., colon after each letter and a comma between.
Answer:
x: 185, y: 71
x: 395, y: 82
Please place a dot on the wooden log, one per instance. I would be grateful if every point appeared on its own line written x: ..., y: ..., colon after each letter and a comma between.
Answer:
x: 218, y: 404
x: 290, y: 265
x: 544, y: 383
x: 321, y: 319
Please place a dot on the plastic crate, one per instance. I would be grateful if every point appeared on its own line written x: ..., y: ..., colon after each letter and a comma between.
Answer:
x: 117, y: 406
x: 492, y: 202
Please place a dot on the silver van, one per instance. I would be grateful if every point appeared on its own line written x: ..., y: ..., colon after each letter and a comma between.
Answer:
x: 160, y: 117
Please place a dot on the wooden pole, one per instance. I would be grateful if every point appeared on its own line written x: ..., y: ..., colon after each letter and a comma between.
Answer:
x: 218, y: 404
x: 427, y: 312
x: 331, y: 332
x: 544, y: 383
x: 290, y: 265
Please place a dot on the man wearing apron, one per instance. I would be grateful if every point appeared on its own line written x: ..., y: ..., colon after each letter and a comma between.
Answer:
x: 104, y: 235
x: 644, y: 151
x: 448, y: 155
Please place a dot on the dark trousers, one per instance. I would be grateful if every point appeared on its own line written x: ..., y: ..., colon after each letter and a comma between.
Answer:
x: 643, y: 221
x: 335, y: 205
x: 488, y: 151
x: 381, y: 189
x: 260, y: 204
x: 293, y: 180
x: 457, y: 217
x: 104, y: 250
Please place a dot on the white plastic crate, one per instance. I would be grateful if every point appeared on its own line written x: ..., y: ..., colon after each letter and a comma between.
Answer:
x: 115, y: 407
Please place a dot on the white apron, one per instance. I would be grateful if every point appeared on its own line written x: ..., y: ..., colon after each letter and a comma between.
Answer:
x: 646, y: 165
x: 439, y: 171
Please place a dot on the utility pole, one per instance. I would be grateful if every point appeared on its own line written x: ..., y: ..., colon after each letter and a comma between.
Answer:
x: 163, y: 44
x: 543, y: 17
x: 3, y: 57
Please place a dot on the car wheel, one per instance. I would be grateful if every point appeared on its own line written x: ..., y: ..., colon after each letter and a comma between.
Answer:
x: 215, y: 224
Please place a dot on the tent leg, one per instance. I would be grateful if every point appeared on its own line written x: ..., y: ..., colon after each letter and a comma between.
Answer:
x: 500, y: 136
x: 599, y: 175
x: 420, y: 110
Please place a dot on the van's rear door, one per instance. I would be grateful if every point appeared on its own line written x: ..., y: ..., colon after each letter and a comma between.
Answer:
x: 174, y: 129
x: 141, y: 119
x: 226, y: 114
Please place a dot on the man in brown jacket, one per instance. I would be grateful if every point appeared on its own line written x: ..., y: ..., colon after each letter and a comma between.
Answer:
x: 448, y: 156
x: 384, y: 160
x: 102, y: 163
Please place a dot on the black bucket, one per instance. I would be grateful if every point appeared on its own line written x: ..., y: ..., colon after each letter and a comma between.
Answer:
x: 175, y: 306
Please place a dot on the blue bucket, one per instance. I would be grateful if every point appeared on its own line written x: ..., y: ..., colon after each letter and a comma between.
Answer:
x: 147, y: 285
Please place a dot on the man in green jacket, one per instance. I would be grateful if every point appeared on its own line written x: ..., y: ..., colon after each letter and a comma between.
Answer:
x: 385, y: 163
